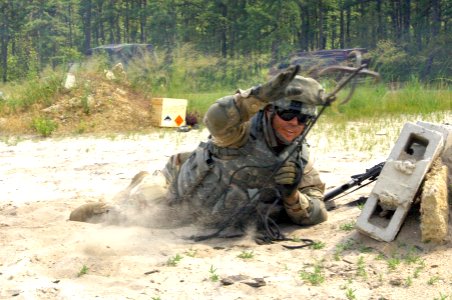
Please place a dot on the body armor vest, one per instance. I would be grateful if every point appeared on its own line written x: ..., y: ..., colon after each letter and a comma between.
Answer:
x: 218, y: 181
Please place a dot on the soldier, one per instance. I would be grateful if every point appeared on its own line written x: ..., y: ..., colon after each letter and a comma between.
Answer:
x: 245, y: 171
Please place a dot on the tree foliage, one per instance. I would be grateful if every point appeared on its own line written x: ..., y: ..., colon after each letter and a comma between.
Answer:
x: 404, y: 36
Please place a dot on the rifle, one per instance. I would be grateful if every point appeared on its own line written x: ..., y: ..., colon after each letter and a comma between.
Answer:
x: 371, y: 175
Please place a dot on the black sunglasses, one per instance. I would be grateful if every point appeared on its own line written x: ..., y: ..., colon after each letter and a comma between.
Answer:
x: 289, y: 114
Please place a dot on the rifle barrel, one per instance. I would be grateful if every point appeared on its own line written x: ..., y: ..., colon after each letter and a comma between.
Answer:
x: 339, y: 190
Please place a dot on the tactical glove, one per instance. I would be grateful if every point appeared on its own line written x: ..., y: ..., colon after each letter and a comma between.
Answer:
x: 276, y: 88
x: 287, y: 174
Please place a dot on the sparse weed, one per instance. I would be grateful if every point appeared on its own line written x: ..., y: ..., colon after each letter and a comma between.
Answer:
x: 361, y: 270
x: 442, y: 297
x: 393, y: 262
x: 380, y: 256
x: 83, y: 271
x: 213, y: 275
x: 173, y: 261
x: 191, y: 252
x: 246, y: 254
x: 340, y: 248
x: 411, y: 257
x: 432, y: 280
x: 408, y: 281
x: 316, y: 277
x: 365, y: 249
x: 347, y: 226
x: 419, y: 268
x: 350, y: 294
x: 318, y: 245
x: 44, y: 126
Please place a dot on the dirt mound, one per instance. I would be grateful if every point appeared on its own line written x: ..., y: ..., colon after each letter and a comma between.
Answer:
x: 96, y: 104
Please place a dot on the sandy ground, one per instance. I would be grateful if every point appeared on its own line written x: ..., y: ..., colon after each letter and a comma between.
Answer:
x: 45, y: 256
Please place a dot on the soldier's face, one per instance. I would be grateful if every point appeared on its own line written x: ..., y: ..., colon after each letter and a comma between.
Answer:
x: 290, y: 129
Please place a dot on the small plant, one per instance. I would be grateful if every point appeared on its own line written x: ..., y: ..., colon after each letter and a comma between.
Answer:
x: 173, y: 261
x: 365, y: 249
x: 419, y: 269
x: 361, y: 270
x: 316, y: 277
x: 84, y: 270
x: 191, y: 252
x: 44, y: 126
x: 347, y: 226
x: 433, y: 280
x: 380, y: 256
x: 411, y: 257
x: 442, y: 297
x: 318, y: 245
x: 246, y: 255
x: 408, y: 281
x: 393, y: 262
x: 213, y: 275
x: 156, y: 298
x: 350, y: 294
x: 342, y: 247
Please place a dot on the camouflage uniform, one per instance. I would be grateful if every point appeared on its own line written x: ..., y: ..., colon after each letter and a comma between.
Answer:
x: 224, y: 174
x: 234, y: 171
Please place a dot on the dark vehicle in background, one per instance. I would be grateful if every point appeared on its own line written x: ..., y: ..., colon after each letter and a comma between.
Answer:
x: 123, y: 53
x: 311, y: 62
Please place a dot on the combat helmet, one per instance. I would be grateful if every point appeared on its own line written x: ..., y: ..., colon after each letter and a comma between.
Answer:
x: 306, y: 102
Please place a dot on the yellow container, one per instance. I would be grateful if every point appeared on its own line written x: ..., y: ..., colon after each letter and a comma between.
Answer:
x: 168, y: 112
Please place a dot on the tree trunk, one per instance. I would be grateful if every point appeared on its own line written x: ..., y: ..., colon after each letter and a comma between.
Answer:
x: 4, y: 52
x: 379, y: 20
x: 320, y: 41
x: 341, y: 27
x: 347, y: 27
x: 333, y: 32
x: 127, y: 22
x: 406, y: 20
x: 223, y: 31
x: 436, y: 18
x: 87, y: 24
x: 70, y: 24
x: 143, y: 21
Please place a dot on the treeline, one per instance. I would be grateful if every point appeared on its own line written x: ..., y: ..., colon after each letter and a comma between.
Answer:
x: 405, y: 37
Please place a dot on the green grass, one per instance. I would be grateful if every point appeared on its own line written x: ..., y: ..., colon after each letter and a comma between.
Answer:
x: 21, y: 96
x: 375, y: 101
x: 213, y: 274
x: 347, y: 226
x: 246, y: 255
x: 173, y: 261
x: 83, y: 271
x: 44, y: 126
x: 317, y: 245
x: 315, y: 277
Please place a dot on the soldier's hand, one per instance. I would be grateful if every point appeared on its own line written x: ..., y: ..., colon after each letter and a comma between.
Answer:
x: 276, y: 88
x: 287, y: 174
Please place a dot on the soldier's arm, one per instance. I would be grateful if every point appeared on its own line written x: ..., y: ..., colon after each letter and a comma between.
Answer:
x: 306, y: 206
x: 228, y: 118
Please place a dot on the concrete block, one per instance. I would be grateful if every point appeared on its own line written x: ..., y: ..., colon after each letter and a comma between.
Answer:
x: 396, y: 187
